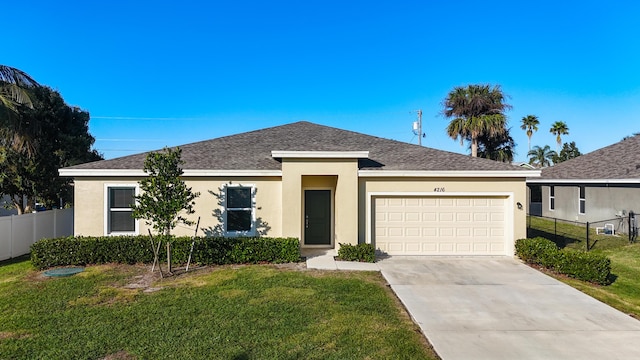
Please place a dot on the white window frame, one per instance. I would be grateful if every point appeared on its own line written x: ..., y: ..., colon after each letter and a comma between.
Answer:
x: 107, y: 210
x: 250, y: 232
x: 582, y: 199
x: 552, y: 198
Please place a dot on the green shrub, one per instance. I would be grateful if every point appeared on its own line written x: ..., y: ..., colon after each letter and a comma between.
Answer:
x: 538, y: 251
x: 585, y: 266
x: 360, y: 252
x: 137, y: 249
x: 580, y: 265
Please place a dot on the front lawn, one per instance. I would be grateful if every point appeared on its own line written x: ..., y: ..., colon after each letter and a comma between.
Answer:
x: 624, y: 293
x: 230, y: 312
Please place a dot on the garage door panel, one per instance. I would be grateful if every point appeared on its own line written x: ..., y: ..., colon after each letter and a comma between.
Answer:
x: 395, y: 202
x: 412, y: 217
x: 429, y: 216
x: 395, y: 217
x: 440, y: 225
x: 463, y: 203
x: 446, y: 216
x: 480, y: 202
x: 446, y: 232
x: 429, y: 232
x: 497, y: 217
x: 446, y: 202
x: 429, y: 202
x: 478, y: 217
x: 463, y: 216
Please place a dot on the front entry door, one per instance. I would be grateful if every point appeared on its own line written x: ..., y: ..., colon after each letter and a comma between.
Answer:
x: 317, y: 217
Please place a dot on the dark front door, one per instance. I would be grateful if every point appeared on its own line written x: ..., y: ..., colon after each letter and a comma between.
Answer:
x: 317, y: 217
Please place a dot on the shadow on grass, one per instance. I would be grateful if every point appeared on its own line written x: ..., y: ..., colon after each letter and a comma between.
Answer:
x: 561, y: 240
x: 15, y: 260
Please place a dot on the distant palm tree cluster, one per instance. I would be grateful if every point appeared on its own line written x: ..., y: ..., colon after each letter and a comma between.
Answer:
x: 477, y: 113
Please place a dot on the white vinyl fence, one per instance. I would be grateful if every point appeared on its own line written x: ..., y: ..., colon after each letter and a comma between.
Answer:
x: 18, y: 232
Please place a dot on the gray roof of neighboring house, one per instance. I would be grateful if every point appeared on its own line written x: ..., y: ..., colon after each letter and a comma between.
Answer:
x: 252, y: 151
x: 618, y: 161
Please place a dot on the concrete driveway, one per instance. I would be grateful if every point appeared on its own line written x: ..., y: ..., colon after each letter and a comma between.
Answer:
x: 499, y: 308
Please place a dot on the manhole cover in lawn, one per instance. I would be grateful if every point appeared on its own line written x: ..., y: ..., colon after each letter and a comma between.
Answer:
x: 62, y: 272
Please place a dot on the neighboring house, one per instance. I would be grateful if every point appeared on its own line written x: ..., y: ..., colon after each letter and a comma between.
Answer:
x: 601, y: 185
x: 325, y: 186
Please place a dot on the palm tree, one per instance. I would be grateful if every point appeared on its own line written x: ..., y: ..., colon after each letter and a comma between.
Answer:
x: 476, y: 110
x: 559, y: 128
x: 13, y: 83
x: 541, y: 157
x: 530, y: 123
x: 14, y: 86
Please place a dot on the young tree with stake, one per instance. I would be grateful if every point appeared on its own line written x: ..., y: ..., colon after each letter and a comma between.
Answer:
x: 164, y: 195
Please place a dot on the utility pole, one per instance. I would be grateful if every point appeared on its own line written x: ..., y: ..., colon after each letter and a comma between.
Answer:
x: 417, y: 127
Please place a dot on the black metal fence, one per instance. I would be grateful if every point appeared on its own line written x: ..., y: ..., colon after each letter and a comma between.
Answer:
x: 606, y: 233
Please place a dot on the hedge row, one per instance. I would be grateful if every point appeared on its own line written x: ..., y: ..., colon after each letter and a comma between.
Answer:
x: 360, y: 252
x: 137, y: 249
x: 585, y: 266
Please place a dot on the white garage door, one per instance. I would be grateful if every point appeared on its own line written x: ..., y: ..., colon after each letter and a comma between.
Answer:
x: 440, y: 225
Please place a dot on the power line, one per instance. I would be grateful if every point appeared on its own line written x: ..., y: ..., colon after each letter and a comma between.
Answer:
x: 146, y: 118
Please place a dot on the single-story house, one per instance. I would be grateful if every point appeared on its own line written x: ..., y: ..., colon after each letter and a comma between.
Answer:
x: 601, y: 185
x: 325, y: 186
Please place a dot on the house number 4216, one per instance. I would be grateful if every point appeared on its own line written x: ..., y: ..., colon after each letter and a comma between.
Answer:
x: 438, y: 189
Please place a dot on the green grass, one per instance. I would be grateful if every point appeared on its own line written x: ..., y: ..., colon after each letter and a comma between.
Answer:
x: 570, y: 235
x: 624, y: 293
x: 241, y: 312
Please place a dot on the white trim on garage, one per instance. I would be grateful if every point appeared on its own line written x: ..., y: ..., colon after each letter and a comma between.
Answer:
x: 509, y: 210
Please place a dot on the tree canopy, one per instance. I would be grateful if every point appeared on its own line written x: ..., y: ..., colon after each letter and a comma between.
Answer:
x: 164, y: 194
x: 59, y: 136
x: 499, y: 147
x: 476, y: 111
x: 569, y: 151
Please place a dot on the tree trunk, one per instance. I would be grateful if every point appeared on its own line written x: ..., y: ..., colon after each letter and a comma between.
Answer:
x: 169, y: 256
x: 474, y: 147
x: 22, y: 205
x: 168, y: 238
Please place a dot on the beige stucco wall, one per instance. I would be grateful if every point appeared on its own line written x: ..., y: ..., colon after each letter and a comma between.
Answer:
x: 514, y: 188
x: 298, y: 174
x: 90, y: 204
x: 279, y: 200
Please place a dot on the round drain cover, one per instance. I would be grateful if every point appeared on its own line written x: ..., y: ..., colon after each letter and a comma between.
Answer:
x: 62, y: 272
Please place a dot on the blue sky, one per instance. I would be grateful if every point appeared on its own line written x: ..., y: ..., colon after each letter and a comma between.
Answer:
x: 161, y: 73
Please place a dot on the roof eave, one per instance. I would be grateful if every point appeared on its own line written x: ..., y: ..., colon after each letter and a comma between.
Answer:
x: 450, y: 173
x: 141, y: 173
x: 583, y: 181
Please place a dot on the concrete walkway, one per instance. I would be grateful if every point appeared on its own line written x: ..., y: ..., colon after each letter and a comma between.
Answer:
x: 499, y: 308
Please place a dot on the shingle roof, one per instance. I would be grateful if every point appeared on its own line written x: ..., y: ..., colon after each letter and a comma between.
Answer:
x: 618, y: 161
x: 252, y: 151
